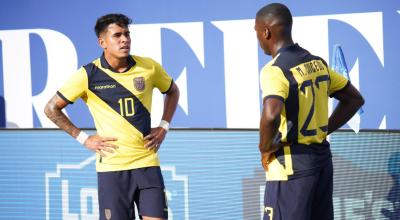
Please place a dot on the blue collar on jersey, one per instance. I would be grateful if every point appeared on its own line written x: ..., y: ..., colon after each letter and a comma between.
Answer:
x: 288, y: 48
x: 106, y: 65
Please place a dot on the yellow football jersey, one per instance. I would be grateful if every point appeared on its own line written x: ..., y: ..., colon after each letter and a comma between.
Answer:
x: 303, y: 82
x: 120, y: 104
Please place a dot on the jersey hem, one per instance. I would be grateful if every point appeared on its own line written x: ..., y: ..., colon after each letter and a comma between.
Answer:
x: 169, y: 89
x: 119, y: 168
x: 64, y: 98
x: 333, y: 94
x: 274, y: 96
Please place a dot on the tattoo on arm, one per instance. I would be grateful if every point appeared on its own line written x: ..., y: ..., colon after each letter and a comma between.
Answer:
x: 54, y: 113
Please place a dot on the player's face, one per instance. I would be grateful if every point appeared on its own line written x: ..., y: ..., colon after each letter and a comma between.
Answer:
x: 260, y: 29
x: 116, y: 41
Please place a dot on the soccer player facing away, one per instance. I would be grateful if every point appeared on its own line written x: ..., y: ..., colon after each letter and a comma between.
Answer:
x: 117, y: 88
x: 296, y: 86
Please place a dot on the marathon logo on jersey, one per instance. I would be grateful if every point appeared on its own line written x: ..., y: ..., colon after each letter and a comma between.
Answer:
x: 139, y: 83
x: 71, y: 191
x: 108, y: 86
x: 177, y: 192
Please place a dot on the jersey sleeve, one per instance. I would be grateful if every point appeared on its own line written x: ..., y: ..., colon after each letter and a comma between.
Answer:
x: 75, y: 87
x: 273, y: 83
x: 161, y: 78
x: 337, y: 81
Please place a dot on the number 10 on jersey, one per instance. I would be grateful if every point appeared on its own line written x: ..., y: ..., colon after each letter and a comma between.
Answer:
x: 126, y: 107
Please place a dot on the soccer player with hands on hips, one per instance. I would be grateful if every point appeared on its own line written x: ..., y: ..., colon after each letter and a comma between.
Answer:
x: 117, y: 88
x: 294, y: 124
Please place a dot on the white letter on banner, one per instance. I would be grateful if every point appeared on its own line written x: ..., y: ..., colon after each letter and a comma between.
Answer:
x: 17, y: 78
x: 61, y: 59
x: 146, y: 41
x: 65, y: 202
x: 85, y: 194
x: 319, y: 32
x: 241, y: 73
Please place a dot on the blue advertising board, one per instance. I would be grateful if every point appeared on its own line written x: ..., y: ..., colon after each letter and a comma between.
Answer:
x: 47, y: 175
x: 208, y: 47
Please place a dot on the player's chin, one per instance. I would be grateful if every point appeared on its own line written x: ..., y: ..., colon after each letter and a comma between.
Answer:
x: 124, y: 53
x: 267, y: 52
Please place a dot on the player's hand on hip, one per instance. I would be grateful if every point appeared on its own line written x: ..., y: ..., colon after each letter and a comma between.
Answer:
x: 155, y: 138
x: 266, y: 157
x: 100, y: 144
x: 265, y: 160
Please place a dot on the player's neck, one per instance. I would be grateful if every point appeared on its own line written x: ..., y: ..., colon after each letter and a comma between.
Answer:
x: 280, y: 44
x: 117, y: 63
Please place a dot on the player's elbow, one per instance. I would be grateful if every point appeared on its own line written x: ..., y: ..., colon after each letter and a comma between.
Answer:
x: 359, y: 101
x: 47, y: 110
x: 362, y: 101
x: 50, y: 109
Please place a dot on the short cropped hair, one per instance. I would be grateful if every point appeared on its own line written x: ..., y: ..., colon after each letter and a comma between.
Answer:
x: 277, y: 11
x: 103, y: 22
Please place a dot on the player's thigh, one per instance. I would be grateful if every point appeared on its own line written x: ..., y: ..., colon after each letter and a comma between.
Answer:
x: 289, y: 199
x: 150, y: 197
x: 115, y: 195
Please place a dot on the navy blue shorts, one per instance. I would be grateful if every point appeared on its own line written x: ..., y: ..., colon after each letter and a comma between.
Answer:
x: 119, y: 191
x: 303, y: 198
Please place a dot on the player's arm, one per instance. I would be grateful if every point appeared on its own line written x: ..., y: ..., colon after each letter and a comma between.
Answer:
x: 275, y: 90
x: 157, y: 135
x: 170, y: 103
x: 350, y: 101
x: 269, y: 128
x: 53, y: 110
x: 269, y: 124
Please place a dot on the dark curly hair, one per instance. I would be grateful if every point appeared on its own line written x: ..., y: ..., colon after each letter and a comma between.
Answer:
x: 103, y: 22
x: 279, y: 12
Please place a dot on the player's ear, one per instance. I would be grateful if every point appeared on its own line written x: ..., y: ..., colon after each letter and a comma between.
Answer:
x: 102, y: 42
x: 267, y: 33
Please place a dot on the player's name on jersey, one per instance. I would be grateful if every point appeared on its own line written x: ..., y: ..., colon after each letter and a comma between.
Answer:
x: 310, y: 67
